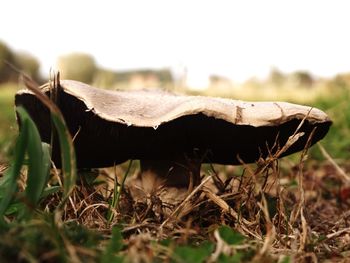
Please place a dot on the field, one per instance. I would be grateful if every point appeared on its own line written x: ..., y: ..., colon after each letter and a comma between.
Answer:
x: 296, y: 209
x: 8, y: 127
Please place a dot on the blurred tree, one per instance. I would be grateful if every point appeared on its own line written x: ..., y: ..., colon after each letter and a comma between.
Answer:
x: 303, y: 78
x: 276, y: 77
x: 165, y: 76
x: 341, y: 81
x: 6, y: 55
x: 21, y: 60
x: 146, y: 78
x: 105, y: 78
x: 77, y: 66
x: 253, y: 82
x: 219, y: 82
x: 29, y: 64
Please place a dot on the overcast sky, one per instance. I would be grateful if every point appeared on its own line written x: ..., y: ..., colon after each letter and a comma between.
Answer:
x: 237, y: 39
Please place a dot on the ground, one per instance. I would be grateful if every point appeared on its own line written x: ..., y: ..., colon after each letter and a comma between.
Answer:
x: 292, y: 210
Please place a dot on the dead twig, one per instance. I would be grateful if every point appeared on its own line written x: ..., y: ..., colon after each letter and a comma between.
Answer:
x: 295, y: 213
x: 173, y: 214
x: 303, y: 237
x: 271, y: 230
x: 344, y: 230
x: 345, y: 178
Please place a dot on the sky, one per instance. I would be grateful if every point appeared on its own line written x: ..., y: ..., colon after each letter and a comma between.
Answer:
x: 235, y: 39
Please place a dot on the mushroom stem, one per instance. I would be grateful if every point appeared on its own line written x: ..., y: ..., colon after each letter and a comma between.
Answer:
x: 182, y: 172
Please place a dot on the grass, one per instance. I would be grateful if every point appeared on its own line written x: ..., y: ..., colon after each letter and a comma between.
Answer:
x: 290, y: 210
x: 8, y: 126
x: 338, y: 139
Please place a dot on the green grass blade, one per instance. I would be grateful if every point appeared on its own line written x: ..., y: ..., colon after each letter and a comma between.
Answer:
x: 116, y: 194
x: 10, y: 190
x: 38, y: 161
x: 65, y: 140
x: 193, y: 254
x: 9, y: 187
x: 230, y: 236
x: 67, y: 154
x: 46, y: 148
x: 114, y: 246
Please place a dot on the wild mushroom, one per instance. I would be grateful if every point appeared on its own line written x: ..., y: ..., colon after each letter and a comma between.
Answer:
x: 172, y: 135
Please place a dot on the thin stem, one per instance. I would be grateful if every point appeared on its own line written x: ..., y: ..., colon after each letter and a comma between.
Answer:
x: 117, y: 193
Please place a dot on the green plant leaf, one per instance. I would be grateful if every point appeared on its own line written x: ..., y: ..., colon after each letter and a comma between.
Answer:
x: 39, y: 160
x: 15, y: 208
x: 46, y: 148
x: 9, y: 184
x: 38, y: 164
x: 191, y: 254
x: 236, y: 258
x: 67, y: 154
x: 286, y: 259
x: 230, y: 236
x: 65, y: 139
x: 50, y: 190
x: 114, y: 246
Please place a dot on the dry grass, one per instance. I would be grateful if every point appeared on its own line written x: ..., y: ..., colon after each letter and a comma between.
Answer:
x: 299, y: 210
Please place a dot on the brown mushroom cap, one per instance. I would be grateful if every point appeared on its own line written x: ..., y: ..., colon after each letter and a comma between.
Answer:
x: 114, y: 126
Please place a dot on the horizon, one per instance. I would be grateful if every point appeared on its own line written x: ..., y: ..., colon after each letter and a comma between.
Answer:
x: 237, y: 40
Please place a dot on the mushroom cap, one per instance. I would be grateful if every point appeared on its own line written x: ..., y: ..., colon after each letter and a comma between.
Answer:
x: 114, y: 126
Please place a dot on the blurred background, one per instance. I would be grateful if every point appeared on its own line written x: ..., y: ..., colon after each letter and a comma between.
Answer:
x: 297, y: 51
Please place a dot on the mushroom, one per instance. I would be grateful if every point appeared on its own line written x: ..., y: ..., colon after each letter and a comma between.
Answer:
x: 171, y: 135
